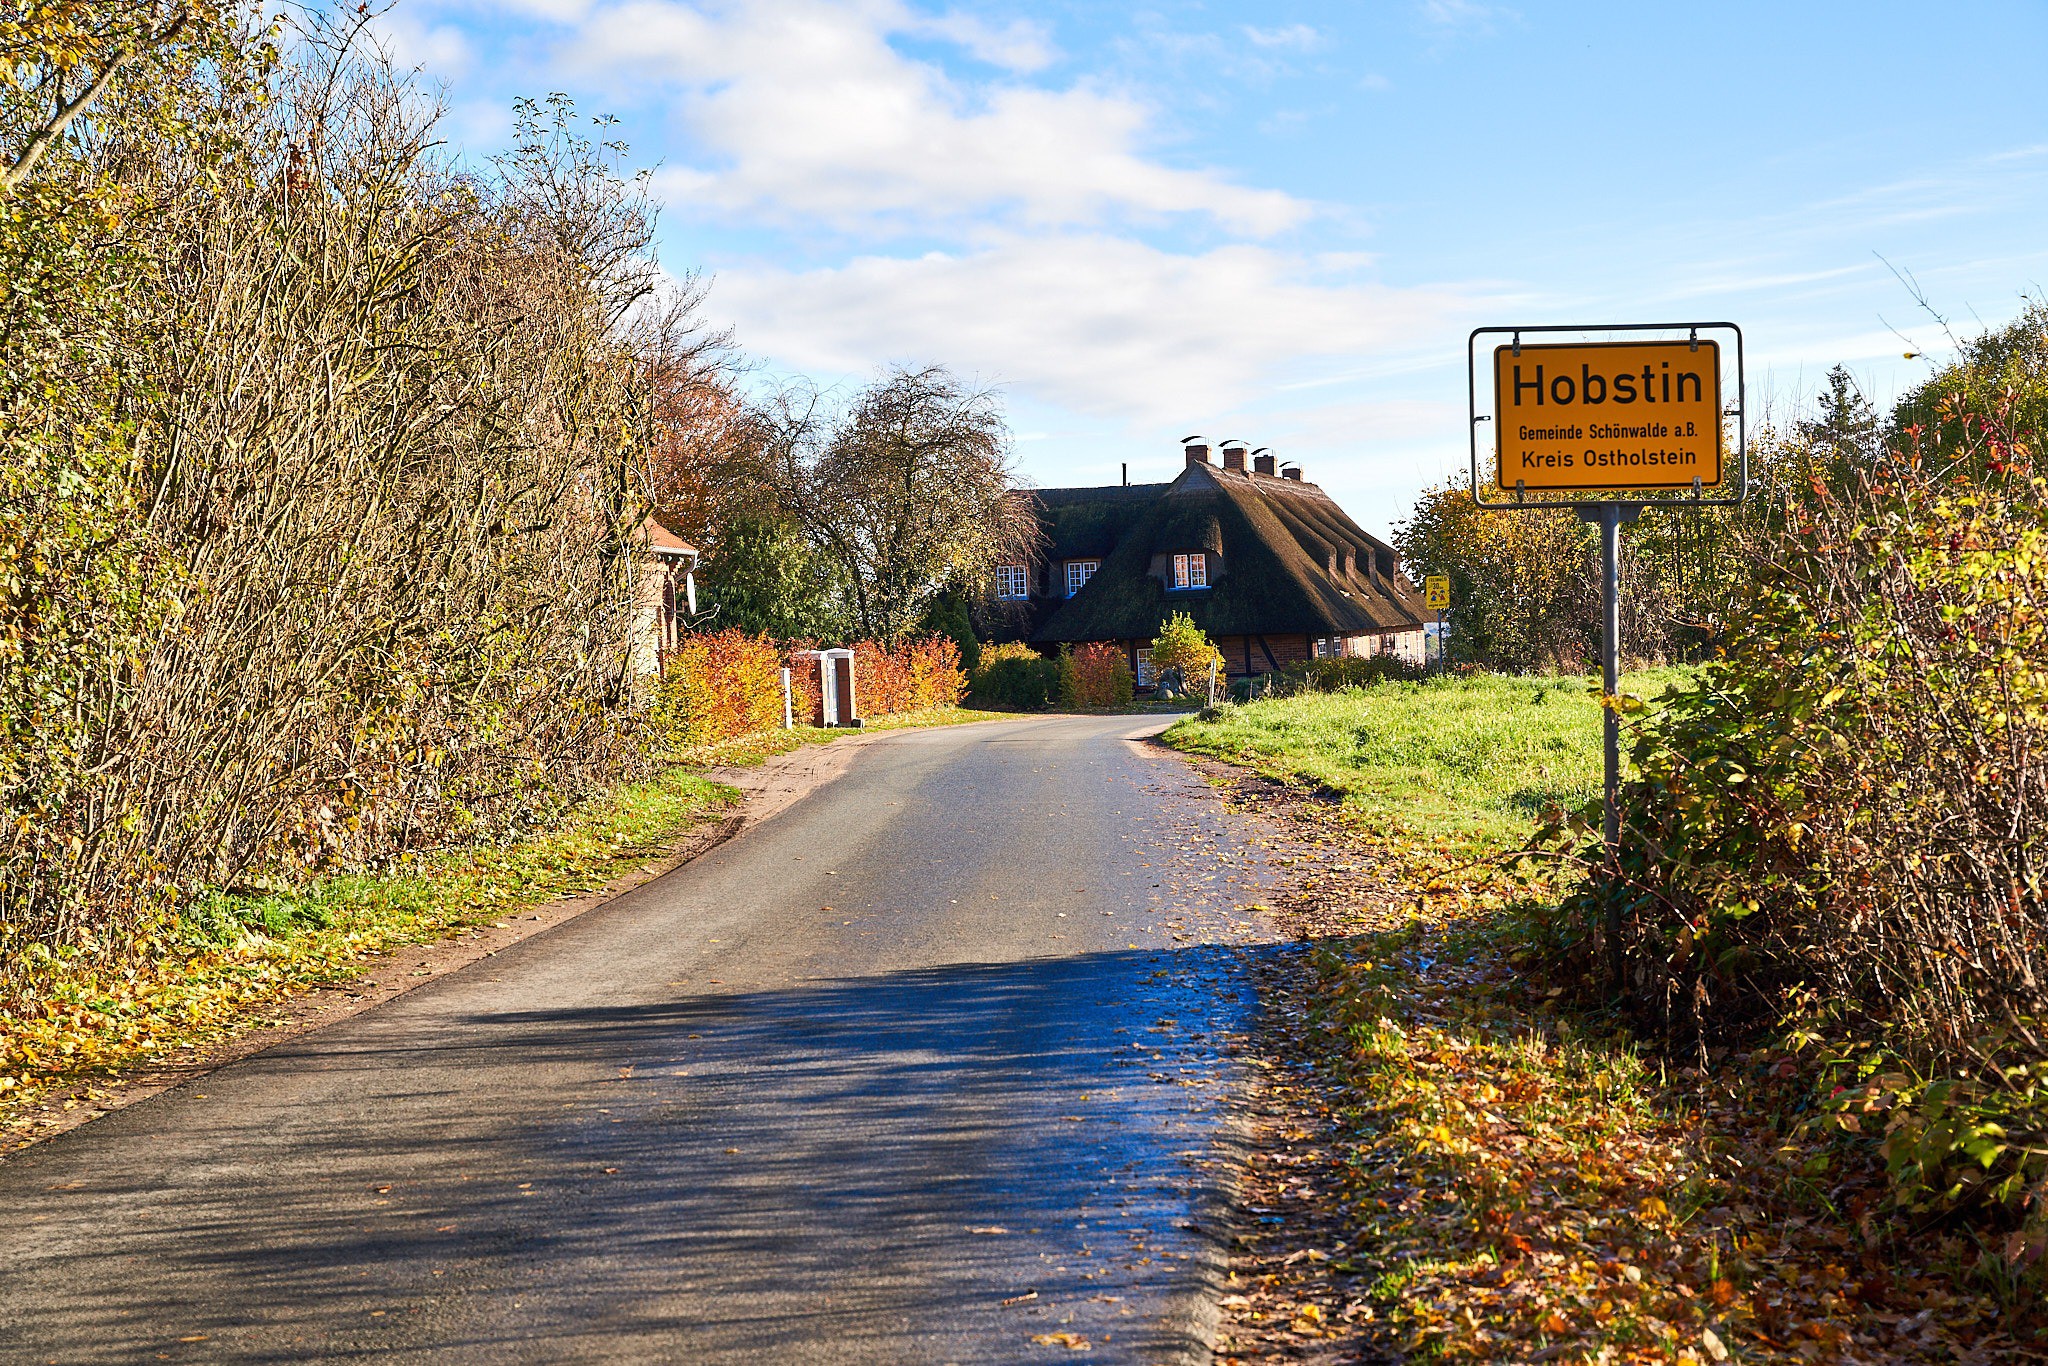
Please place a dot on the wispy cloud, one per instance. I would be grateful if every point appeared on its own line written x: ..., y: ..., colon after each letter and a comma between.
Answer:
x: 1299, y: 37
x: 1019, y: 45
x: 1098, y: 324
x: 440, y: 50
x: 1464, y: 16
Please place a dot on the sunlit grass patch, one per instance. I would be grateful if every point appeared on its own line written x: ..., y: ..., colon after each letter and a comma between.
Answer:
x: 1471, y: 760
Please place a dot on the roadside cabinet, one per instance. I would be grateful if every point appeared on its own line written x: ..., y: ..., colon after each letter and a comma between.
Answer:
x: 835, y: 693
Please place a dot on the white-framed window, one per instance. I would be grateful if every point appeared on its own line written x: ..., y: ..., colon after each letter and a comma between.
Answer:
x: 1326, y: 648
x: 1079, y: 572
x: 1191, y: 571
x: 1145, y: 673
x: 1013, y: 582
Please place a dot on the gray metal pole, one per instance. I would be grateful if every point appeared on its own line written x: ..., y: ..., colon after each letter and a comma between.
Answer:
x: 1610, y: 668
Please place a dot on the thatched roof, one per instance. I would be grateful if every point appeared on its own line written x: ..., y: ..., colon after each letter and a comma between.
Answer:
x: 1284, y: 559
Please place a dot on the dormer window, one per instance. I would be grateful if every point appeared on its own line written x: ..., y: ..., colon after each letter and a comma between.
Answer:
x: 1191, y: 571
x: 1079, y: 572
x: 1013, y: 582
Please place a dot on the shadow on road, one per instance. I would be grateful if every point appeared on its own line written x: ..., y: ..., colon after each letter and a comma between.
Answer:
x: 847, y: 1170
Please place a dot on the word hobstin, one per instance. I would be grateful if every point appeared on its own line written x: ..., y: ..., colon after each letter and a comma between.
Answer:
x: 1592, y: 386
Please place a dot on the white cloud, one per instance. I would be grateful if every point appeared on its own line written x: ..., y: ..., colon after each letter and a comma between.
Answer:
x: 440, y: 50
x: 814, y: 115
x: 1468, y: 16
x: 1300, y: 37
x: 557, y: 11
x: 1092, y: 323
x: 1017, y: 46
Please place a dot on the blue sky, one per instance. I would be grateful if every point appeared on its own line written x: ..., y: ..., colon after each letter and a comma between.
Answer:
x: 1278, y: 222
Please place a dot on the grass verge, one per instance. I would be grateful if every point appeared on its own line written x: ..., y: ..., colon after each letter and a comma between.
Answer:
x: 1472, y: 760
x: 210, y: 972
x: 1515, y: 1179
x: 221, y: 965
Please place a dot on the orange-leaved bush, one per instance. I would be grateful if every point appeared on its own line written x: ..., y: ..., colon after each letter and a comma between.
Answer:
x: 917, y: 675
x: 1102, y: 676
x: 717, y: 686
x: 936, y: 678
x: 726, y: 684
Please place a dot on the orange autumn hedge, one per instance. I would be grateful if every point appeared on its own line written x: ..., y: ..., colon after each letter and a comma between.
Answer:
x: 717, y: 686
x: 916, y: 676
x: 725, y: 684
x: 1102, y: 676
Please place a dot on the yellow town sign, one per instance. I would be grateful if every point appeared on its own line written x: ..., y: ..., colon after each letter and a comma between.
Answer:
x: 1589, y: 417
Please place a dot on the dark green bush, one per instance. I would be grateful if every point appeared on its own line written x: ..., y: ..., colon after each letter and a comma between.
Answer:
x: 1333, y: 675
x: 1018, y: 679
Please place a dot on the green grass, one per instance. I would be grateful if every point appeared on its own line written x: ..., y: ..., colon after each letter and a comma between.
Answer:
x: 1474, y: 760
x: 592, y: 844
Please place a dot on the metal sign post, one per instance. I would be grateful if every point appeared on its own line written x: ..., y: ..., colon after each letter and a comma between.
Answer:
x: 1609, y: 517
x: 1437, y: 596
x: 1620, y: 409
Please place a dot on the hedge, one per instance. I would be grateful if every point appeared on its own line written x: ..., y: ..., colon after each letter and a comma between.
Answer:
x: 722, y: 685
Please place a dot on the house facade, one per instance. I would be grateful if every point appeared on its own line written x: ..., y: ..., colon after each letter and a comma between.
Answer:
x: 665, y: 595
x: 1266, y: 563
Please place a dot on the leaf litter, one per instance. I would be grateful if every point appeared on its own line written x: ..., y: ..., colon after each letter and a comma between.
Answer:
x: 1448, y: 1164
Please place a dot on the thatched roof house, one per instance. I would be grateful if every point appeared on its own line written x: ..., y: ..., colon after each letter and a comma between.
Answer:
x: 1263, y: 561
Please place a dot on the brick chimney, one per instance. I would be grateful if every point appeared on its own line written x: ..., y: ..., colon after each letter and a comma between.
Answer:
x: 1233, y: 455
x: 1197, y: 450
x: 1290, y: 472
x: 1262, y: 461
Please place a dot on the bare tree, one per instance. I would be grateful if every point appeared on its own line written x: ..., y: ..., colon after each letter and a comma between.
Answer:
x: 908, y: 492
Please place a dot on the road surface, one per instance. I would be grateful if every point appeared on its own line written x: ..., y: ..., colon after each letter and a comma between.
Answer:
x: 944, y: 1034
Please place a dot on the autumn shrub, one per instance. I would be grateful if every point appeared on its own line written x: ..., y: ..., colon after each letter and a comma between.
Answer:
x: 803, y: 680
x: 717, y: 686
x: 1836, y: 832
x: 1183, y: 646
x: 917, y: 675
x: 881, y: 680
x: 936, y: 676
x: 1101, y: 676
x: 1009, y: 649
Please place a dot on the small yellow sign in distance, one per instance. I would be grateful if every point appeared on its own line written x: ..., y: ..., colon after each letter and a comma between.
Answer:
x: 1597, y: 416
x: 1437, y: 591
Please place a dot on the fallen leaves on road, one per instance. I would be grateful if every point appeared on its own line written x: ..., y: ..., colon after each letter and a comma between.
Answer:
x: 1072, y: 1341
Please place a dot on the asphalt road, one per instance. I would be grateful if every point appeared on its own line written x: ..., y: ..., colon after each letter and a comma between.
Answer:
x: 945, y: 1033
